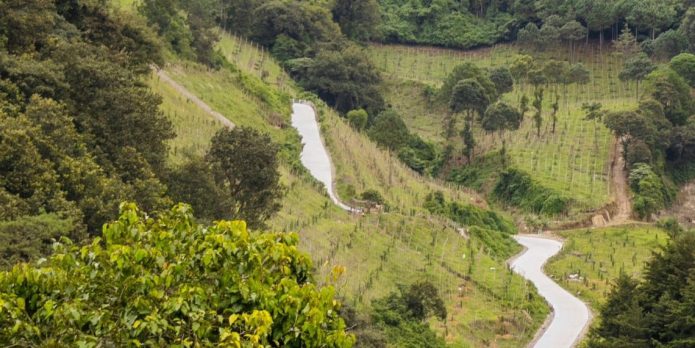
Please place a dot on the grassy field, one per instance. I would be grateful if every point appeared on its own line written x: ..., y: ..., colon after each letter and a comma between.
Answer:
x: 598, y: 256
x: 574, y: 160
x: 488, y: 304
x: 193, y: 126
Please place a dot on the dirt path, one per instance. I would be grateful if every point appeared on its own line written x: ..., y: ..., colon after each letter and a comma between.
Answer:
x: 620, y: 187
x: 163, y: 76
x: 619, y: 190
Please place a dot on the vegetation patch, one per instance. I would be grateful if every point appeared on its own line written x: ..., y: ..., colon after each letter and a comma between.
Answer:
x: 518, y: 189
x: 591, y: 260
x: 492, y: 229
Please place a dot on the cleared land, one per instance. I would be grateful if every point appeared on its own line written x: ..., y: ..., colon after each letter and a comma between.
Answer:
x: 487, y: 303
x: 574, y: 160
x: 591, y: 260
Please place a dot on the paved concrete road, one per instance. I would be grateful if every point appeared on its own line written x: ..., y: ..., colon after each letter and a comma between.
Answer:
x: 314, y: 154
x: 570, y: 315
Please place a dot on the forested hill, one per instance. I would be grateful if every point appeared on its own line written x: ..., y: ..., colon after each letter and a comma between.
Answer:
x: 473, y: 23
x: 79, y: 130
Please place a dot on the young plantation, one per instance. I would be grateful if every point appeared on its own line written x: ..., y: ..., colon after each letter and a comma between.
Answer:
x: 574, y: 160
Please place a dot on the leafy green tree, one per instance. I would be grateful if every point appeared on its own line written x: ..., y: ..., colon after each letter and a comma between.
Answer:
x: 550, y: 34
x: 467, y: 71
x: 468, y: 141
x: 638, y: 152
x: 345, y: 79
x: 530, y: 35
x: 636, y: 68
x: 673, y: 92
x: 684, y: 65
x: 579, y: 74
x: 244, y: 162
x: 537, y: 78
x: 165, y: 17
x: 358, y: 19
x: 501, y: 116
x: 521, y: 66
x: 538, y: 105
x: 682, y: 142
x: 572, y: 32
x: 557, y: 72
x: 687, y: 28
x: 526, y: 9
x: 469, y: 96
x: 30, y: 237
x: 306, y: 25
x: 389, y: 131
x: 523, y: 106
x: 597, y: 14
x: 25, y: 24
x: 669, y: 44
x: 358, y: 119
x: 502, y: 78
x: 169, y: 281
x: 194, y: 183
x: 651, y: 14
x: 553, y: 115
x: 402, y: 316
x: 422, y: 301
x: 593, y: 111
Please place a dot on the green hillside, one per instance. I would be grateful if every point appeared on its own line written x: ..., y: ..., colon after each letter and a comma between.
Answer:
x: 374, y: 248
x: 147, y: 152
x: 575, y: 160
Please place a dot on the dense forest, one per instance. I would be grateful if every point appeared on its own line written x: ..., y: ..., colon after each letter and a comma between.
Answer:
x: 467, y: 24
x: 105, y: 242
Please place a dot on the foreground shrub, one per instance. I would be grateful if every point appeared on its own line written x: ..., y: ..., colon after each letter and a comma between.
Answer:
x: 170, y: 282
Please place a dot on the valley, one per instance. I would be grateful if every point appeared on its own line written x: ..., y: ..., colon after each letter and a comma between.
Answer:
x: 347, y: 173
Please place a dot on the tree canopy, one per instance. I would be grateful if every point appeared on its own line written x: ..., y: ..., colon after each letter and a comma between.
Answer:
x: 171, y: 282
x: 657, y: 310
x: 244, y: 163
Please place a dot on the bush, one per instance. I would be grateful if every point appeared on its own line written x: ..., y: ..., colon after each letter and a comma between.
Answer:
x: 638, y: 152
x: 402, y: 316
x: 482, y: 174
x: 651, y: 194
x: 516, y: 188
x: 389, y: 131
x: 491, y: 228
x: 358, y: 119
x: 168, y: 282
x: 28, y: 238
x: 373, y: 196
x: 684, y: 65
x: 669, y: 44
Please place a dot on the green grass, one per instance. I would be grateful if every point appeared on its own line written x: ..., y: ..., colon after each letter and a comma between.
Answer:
x: 193, y: 126
x: 600, y: 255
x: 574, y: 160
x: 381, y: 250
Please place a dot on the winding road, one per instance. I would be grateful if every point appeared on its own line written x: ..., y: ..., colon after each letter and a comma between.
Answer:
x: 570, y: 316
x: 314, y: 154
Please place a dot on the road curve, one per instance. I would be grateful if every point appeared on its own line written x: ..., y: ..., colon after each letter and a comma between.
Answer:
x: 314, y: 154
x: 570, y: 315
